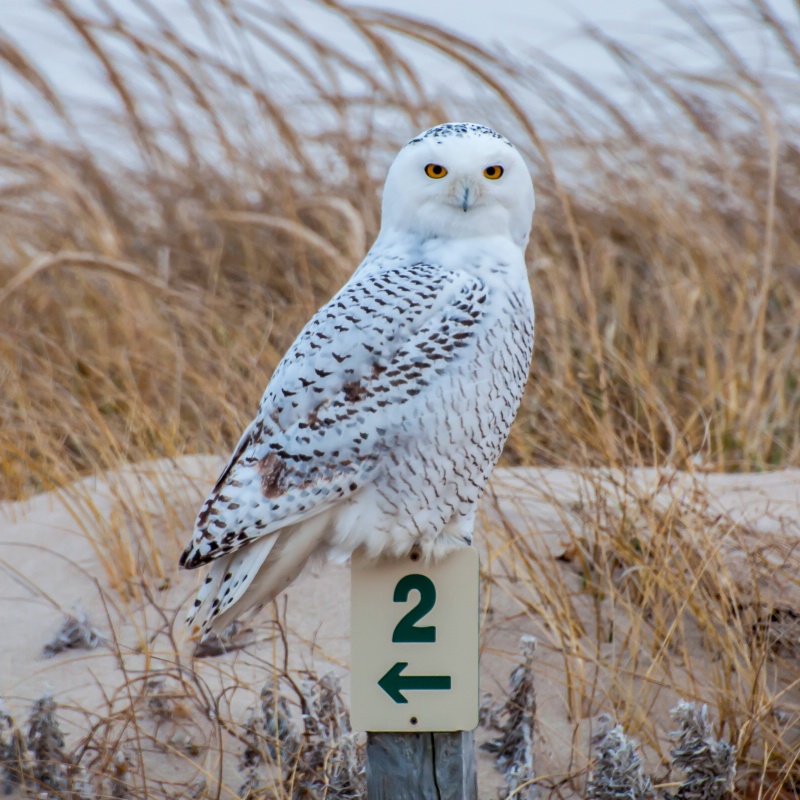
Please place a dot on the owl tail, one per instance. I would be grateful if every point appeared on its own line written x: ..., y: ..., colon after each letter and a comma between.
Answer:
x: 255, y: 574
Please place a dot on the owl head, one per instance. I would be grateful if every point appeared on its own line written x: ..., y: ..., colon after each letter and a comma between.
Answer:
x: 459, y: 180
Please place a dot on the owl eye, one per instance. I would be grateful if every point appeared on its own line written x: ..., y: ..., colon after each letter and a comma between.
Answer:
x: 435, y: 171
x: 493, y: 173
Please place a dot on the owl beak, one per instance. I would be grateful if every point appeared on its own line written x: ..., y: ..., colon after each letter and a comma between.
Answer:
x: 465, y: 194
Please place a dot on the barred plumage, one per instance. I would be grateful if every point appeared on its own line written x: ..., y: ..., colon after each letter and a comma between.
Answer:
x: 381, y: 425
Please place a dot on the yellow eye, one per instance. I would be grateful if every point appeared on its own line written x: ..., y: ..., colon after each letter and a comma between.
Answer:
x: 493, y: 173
x: 435, y: 171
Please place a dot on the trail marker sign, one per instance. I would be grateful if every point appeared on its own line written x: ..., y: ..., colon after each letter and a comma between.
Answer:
x: 414, y: 644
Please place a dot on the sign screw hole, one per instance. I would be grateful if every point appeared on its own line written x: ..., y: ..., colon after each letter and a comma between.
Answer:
x: 414, y: 720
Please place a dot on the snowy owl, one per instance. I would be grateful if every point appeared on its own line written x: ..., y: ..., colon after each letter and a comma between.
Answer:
x: 381, y: 425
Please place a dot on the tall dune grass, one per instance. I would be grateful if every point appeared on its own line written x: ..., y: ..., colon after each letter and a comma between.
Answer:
x: 146, y: 296
x: 656, y: 597
x: 157, y: 258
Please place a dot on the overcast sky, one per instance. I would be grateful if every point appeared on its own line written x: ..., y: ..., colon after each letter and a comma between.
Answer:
x: 516, y: 25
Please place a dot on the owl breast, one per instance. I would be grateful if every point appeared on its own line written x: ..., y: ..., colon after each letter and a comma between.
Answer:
x: 447, y: 443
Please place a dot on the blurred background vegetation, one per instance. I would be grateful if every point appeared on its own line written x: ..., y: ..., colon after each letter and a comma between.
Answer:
x: 148, y: 287
x: 160, y: 251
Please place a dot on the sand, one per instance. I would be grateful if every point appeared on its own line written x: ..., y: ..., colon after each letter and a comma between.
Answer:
x: 54, y: 561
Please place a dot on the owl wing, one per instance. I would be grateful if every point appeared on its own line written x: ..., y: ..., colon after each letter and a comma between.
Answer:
x: 335, y: 401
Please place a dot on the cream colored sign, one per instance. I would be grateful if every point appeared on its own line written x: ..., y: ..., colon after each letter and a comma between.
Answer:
x: 414, y: 644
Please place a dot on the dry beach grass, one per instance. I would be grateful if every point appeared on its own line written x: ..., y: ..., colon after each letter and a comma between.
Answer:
x: 147, y: 290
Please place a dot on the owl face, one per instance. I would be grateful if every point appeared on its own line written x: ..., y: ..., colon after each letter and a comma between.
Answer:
x: 459, y: 180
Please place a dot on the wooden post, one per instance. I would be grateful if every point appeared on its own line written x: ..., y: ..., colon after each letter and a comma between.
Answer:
x: 421, y: 766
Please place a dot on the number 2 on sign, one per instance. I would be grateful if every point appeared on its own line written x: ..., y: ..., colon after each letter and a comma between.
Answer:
x: 407, y: 629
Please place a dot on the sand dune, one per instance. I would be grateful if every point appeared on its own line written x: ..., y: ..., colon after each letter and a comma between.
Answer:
x: 56, y: 559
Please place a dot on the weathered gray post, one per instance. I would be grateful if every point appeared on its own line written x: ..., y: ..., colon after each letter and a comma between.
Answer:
x: 414, y: 675
x: 421, y: 766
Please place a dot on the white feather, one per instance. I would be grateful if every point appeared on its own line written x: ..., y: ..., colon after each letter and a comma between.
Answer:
x: 382, y: 423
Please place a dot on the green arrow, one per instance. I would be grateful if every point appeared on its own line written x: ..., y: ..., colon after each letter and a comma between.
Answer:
x: 393, y: 683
